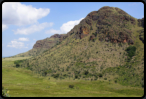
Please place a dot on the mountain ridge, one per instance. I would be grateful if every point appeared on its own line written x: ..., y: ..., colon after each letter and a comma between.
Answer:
x: 105, y: 41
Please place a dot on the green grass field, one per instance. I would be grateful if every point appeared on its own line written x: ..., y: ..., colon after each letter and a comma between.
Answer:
x: 23, y: 83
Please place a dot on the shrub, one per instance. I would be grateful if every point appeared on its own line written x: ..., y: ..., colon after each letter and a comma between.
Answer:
x: 105, y: 78
x: 131, y: 52
x: 142, y: 85
x: 71, y: 86
x: 44, y: 73
x: 86, y: 72
x: 55, y: 75
x: 65, y: 75
x: 115, y: 81
x: 100, y: 75
x: 76, y: 76
x: 17, y: 63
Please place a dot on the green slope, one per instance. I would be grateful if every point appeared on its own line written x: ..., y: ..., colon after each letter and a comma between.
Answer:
x: 96, y: 49
x: 21, y: 82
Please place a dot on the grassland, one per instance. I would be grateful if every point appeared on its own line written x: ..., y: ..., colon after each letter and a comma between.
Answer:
x: 24, y: 83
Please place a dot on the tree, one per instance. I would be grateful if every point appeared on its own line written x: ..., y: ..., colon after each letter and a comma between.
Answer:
x: 86, y: 72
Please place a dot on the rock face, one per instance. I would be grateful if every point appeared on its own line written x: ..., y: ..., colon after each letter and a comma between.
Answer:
x: 141, y: 22
x: 39, y: 44
x: 49, y: 42
x: 108, y: 23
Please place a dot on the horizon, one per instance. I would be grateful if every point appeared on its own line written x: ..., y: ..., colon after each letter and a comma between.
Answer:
x: 39, y: 20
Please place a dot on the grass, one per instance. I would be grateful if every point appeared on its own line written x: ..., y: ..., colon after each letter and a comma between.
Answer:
x: 23, y: 83
x: 13, y: 59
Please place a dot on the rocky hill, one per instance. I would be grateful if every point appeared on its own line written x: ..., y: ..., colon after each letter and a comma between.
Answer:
x: 42, y: 45
x: 105, y: 44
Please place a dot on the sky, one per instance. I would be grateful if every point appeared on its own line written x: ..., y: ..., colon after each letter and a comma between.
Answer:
x: 23, y: 23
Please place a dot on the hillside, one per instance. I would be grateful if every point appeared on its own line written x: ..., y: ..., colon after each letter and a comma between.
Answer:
x: 106, y: 44
x: 42, y: 45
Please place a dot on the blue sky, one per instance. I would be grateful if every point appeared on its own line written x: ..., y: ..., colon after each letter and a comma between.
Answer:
x: 23, y: 23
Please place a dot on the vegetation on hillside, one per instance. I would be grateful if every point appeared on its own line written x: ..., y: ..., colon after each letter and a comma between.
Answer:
x: 105, y: 45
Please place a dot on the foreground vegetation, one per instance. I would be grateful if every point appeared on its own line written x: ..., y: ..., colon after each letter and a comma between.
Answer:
x: 24, y: 83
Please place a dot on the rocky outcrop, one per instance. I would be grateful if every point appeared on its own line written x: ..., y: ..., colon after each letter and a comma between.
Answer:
x: 141, y: 22
x: 111, y: 25
x: 39, y: 44
x: 49, y: 42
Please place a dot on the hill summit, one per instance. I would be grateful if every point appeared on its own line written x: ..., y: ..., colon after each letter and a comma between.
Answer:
x: 108, y: 43
x: 108, y: 23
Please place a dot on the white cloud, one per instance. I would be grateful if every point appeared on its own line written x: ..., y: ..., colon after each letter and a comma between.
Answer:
x: 66, y: 27
x: 23, y: 39
x: 32, y: 29
x: 15, y: 13
x: 4, y: 27
x: 16, y: 44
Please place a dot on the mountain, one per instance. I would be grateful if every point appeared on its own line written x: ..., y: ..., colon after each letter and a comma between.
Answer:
x: 106, y: 44
x: 42, y: 45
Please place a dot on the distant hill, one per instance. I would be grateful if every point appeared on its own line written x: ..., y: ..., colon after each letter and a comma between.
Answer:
x: 42, y: 45
x: 108, y: 44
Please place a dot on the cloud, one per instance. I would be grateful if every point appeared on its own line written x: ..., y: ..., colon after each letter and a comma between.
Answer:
x: 15, y: 13
x: 4, y: 27
x: 32, y: 28
x: 66, y: 27
x: 16, y: 44
x: 23, y: 39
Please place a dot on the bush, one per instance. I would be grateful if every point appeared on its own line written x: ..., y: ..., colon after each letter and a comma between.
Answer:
x: 17, y: 62
x: 55, y: 75
x: 76, y: 76
x: 17, y: 65
x: 71, y: 86
x: 100, y: 75
x: 131, y: 52
x: 86, y: 72
x: 44, y: 73
x: 115, y: 81
x: 142, y: 85
x: 105, y: 78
